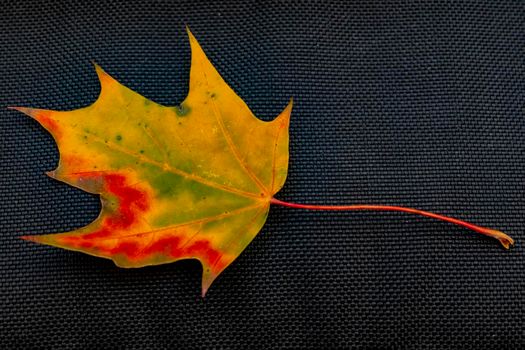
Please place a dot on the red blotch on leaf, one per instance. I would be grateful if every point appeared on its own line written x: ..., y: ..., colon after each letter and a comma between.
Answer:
x: 203, y: 249
x: 131, y: 203
x: 130, y: 249
x: 173, y: 246
x: 167, y: 246
x: 50, y: 124
x: 103, y: 232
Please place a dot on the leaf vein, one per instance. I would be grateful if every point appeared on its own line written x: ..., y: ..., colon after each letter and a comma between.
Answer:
x: 232, y: 146
x: 248, y: 226
x: 169, y: 168
x: 188, y: 223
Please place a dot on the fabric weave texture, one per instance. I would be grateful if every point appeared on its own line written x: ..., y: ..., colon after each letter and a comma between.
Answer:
x: 407, y: 103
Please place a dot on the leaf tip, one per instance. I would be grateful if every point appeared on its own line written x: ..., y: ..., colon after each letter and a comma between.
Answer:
x: 30, y: 238
x: 196, y: 49
x: 207, y: 279
x: 51, y: 174
x: 283, y: 119
x: 190, y: 34
x: 96, y: 65
x: 42, y: 239
x: 26, y: 110
x: 289, y: 107
x: 100, y: 72
x: 103, y: 77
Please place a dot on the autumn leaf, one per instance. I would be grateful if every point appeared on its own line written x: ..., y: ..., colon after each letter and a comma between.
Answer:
x: 190, y: 181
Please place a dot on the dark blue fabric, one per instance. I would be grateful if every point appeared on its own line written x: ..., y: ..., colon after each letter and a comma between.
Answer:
x: 409, y: 103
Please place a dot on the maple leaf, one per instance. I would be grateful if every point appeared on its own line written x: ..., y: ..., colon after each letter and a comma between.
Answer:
x: 190, y: 181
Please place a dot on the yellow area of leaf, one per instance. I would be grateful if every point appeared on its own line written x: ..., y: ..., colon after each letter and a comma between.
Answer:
x: 190, y: 181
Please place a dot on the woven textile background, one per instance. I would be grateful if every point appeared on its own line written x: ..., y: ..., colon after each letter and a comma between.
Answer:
x: 409, y: 103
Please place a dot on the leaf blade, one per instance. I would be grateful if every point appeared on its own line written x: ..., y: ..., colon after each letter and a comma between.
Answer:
x: 191, y: 181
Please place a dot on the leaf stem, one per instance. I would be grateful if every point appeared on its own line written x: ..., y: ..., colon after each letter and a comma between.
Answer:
x: 505, y: 240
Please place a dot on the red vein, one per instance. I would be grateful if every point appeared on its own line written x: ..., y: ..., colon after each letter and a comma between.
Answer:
x: 505, y: 240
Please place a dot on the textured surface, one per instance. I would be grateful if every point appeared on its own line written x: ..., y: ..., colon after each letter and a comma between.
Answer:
x: 404, y: 103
